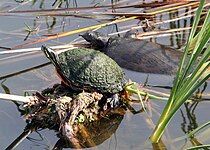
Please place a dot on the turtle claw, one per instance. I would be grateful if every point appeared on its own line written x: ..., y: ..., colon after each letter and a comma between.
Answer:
x: 112, y: 102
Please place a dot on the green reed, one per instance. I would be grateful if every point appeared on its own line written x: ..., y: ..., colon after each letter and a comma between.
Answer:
x: 193, y: 72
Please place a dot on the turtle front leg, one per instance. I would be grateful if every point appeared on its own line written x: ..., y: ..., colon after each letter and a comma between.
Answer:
x: 112, y: 102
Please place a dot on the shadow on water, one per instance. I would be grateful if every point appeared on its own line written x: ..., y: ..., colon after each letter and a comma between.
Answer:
x: 125, y: 131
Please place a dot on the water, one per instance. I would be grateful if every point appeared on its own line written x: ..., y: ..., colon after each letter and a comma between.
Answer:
x: 134, y: 130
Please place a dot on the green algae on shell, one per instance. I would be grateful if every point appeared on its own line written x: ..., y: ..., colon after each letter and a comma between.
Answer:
x: 87, y: 69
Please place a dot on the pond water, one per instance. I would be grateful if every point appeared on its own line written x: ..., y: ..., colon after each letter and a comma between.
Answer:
x: 134, y: 130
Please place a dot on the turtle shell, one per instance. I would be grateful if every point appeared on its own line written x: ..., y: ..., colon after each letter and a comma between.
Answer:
x: 135, y: 54
x: 143, y: 56
x: 89, y: 69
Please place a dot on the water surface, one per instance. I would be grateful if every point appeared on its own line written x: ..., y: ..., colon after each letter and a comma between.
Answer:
x: 134, y: 130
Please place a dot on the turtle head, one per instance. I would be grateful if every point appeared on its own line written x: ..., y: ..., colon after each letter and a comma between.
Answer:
x: 50, y: 54
x: 96, y: 39
x: 53, y: 57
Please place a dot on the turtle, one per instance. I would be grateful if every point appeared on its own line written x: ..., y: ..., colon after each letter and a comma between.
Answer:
x: 135, y: 54
x: 84, y: 69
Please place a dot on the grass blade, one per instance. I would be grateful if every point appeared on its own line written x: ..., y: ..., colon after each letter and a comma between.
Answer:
x: 188, y: 79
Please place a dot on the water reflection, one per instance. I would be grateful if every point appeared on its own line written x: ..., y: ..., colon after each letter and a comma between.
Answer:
x: 177, y: 39
x: 159, y: 146
x: 46, y: 113
x: 89, y: 135
x: 66, y: 3
x: 94, y: 134
x: 56, y: 3
x: 190, y: 122
x: 50, y: 24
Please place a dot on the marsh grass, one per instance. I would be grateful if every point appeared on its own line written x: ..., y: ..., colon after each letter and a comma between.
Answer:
x: 192, y: 73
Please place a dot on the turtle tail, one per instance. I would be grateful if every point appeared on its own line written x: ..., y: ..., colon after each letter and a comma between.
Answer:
x: 51, y: 55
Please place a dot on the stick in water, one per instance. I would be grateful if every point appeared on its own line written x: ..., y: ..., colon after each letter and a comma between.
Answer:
x: 24, y: 99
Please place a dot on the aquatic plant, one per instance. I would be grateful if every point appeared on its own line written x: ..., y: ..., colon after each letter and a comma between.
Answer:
x: 193, y: 72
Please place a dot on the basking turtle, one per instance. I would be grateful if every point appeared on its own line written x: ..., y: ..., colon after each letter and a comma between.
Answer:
x: 87, y: 69
x: 135, y: 54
